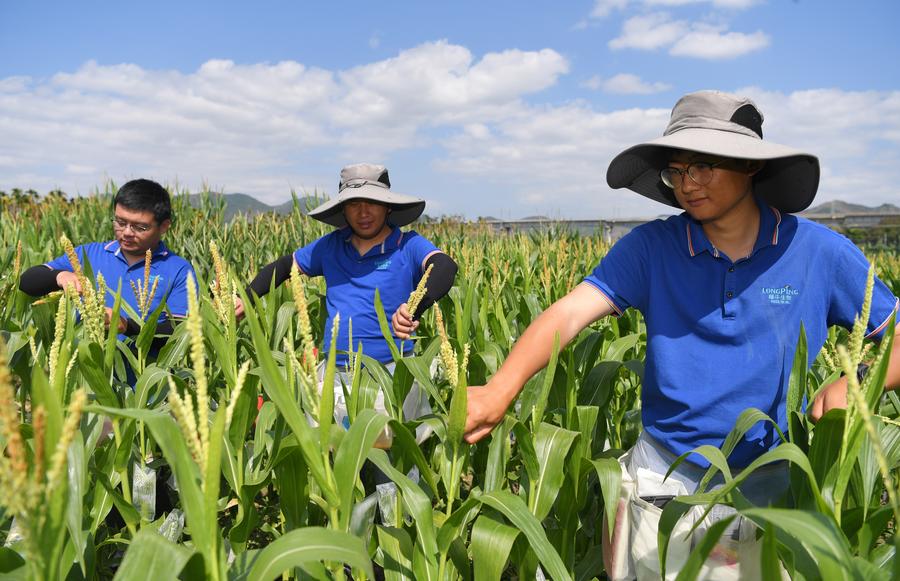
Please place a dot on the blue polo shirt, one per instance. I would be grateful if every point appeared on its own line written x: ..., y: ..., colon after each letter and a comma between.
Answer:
x: 170, y: 269
x: 394, y: 267
x: 721, y: 335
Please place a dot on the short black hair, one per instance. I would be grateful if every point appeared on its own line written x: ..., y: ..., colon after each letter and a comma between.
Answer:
x: 145, y: 196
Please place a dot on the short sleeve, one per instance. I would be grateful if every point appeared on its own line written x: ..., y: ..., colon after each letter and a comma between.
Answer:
x: 177, y: 301
x: 418, y: 248
x: 848, y: 291
x: 622, y: 275
x: 309, y: 258
x: 63, y: 263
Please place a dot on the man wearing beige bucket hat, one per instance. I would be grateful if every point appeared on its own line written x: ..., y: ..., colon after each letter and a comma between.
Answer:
x: 366, y: 252
x: 724, y: 288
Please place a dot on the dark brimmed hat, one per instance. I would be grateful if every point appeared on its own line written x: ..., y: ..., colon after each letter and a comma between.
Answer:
x: 723, y: 125
x: 366, y: 181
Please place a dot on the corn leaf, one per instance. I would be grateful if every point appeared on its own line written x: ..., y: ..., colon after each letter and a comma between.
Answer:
x: 311, y: 544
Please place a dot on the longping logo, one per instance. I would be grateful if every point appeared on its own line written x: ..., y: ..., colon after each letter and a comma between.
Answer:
x: 782, y: 295
x: 384, y: 264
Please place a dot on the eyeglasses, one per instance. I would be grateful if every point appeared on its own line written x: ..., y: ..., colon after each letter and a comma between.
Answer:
x: 700, y: 172
x: 120, y: 224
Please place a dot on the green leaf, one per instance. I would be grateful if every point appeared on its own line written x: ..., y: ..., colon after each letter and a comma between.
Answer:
x: 797, y: 382
x: 76, y: 491
x: 278, y: 391
x: 418, y: 506
x: 552, y: 446
x: 148, y: 329
x: 311, y: 544
x: 815, y: 532
x: 491, y: 542
x: 499, y: 453
x: 397, y: 548
x: 385, y: 330
x: 514, y: 509
x: 152, y: 556
x: 609, y: 473
x: 352, y: 454
x: 541, y: 403
x: 97, y: 375
x: 698, y: 556
x: 187, y: 475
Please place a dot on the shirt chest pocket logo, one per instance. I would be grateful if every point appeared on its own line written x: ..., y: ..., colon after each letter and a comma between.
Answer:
x: 383, y: 265
x: 782, y: 295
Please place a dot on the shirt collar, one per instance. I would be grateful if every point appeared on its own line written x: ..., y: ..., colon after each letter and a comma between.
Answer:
x: 113, y: 248
x: 769, y: 223
x: 392, y: 242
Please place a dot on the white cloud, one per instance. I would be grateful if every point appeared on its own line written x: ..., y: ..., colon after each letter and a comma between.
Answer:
x: 698, y: 40
x: 562, y: 153
x: 452, y: 127
x: 732, y: 4
x: 603, y: 8
x: 239, y: 125
x: 715, y: 44
x: 625, y: 84
x: 649, y: 32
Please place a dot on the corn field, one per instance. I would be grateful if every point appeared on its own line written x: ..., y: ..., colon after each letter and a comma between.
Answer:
x: 224, y: 460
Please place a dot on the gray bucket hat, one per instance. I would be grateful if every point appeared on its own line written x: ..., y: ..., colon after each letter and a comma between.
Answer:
x: 723, y: 125
x: 368, y: 182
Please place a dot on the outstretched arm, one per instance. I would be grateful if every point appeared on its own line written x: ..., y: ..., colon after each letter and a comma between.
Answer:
x: 834, y: 395
x: 279, y: 271
x: 41, y: 279
x: 567, y: 316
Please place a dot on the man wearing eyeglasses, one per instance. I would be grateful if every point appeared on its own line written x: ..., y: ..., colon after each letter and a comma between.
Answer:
x: 142, y: 216
x: 724, y: 288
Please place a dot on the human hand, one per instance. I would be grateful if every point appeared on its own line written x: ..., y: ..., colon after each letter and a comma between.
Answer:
x: 238, y: 308
x: 486, y: 408
x: 403, y: 323
x: 832, y: 396
x: 122, y: 325
x: 65, y: 279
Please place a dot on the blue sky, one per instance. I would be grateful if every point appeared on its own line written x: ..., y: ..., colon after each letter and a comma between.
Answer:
x: 484, y: 108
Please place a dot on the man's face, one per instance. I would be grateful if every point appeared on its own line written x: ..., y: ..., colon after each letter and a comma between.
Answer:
x: 729, y: 184
x: 366, y: 218
x: 137, y: 231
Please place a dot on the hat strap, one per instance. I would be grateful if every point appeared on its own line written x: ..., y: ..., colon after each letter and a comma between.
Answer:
x: 358, y: 183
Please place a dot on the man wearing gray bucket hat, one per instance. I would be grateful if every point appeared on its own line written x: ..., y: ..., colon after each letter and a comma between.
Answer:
x: 367, y: 252
x: 724, y: 288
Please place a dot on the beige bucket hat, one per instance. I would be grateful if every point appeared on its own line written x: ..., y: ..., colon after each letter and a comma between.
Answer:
x: 723, y: 125
x: 368, y: 182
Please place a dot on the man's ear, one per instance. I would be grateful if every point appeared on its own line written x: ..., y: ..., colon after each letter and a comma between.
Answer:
x: 164, y: 226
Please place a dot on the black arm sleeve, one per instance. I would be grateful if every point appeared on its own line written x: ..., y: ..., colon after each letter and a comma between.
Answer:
x: 280, y: 269
x: 440, y: 281
x: 38, y: 280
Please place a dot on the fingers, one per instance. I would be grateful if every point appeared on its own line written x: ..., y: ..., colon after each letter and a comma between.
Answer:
x: 833, y: 396
x: 238, y: 309
x: 484, y: 412
x: 65, y: 279
x: 477, y: 435
x: 402, y: 322
x: 815, y: 411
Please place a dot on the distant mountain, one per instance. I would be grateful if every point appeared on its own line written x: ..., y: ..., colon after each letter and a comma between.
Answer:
x: 246, y: 204
x: 838, y: 207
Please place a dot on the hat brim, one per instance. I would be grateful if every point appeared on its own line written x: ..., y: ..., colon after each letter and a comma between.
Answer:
x: 788, y: 181
x: 404, y: 209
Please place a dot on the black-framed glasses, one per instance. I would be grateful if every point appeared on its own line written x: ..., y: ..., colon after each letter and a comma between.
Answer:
x: 701, y: 172
x: 120, y: 224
